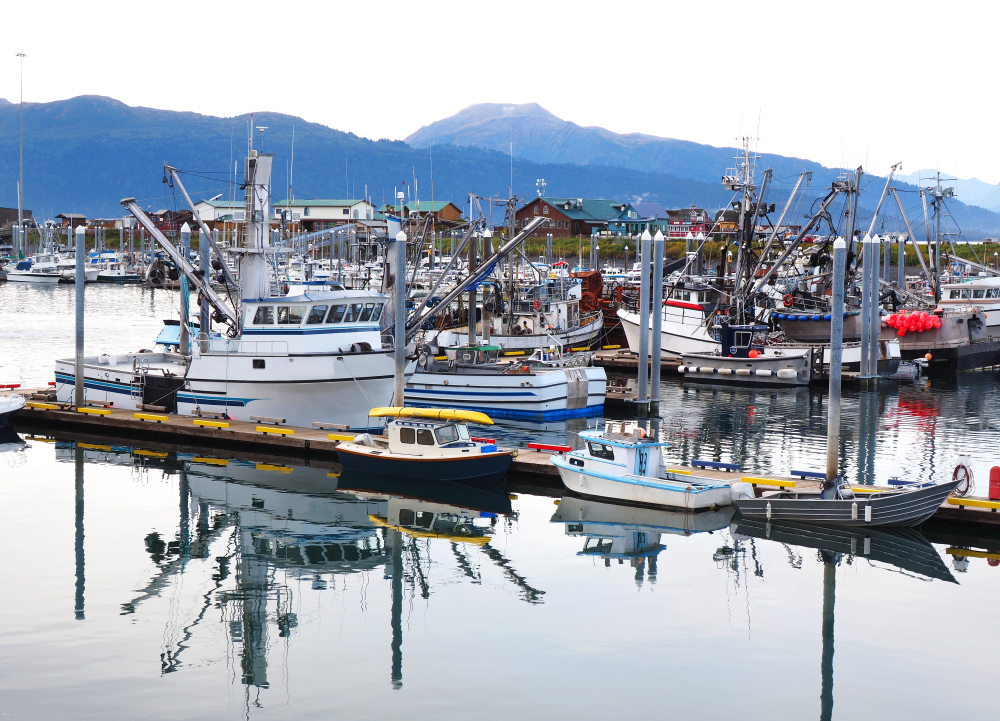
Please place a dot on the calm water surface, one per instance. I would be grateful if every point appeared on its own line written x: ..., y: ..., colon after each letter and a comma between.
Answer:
x: 147, y: 583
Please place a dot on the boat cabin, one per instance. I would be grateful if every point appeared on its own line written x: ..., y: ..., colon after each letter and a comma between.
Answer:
x: 434, y: 439
x: 972, y: 291
x: 738, y: 341
x: 622, y: 449
x: 337, y: 321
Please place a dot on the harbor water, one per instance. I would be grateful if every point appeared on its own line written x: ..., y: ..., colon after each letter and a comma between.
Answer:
x: 152, y: 582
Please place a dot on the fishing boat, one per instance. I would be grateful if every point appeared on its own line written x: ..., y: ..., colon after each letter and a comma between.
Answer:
x: 685, y: 323
x: 314, y: 357
x: 743, y: 358
x: 622, y: 463
x: 427, y: 443
x: 42, y: 268
x: 544, y: 386
x: 840, y: 505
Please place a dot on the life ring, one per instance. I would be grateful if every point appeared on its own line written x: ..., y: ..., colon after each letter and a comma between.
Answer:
x: 966, y: 485
x: 788, y: 299
x: 536, y: 304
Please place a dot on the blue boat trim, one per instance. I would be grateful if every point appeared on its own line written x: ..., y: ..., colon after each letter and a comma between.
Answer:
x: 521, y: 415
x: 677, y: 486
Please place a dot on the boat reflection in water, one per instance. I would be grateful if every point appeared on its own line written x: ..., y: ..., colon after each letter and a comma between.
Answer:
x: 902, y: 548
x: 267, y: 529
x: 633, y: 533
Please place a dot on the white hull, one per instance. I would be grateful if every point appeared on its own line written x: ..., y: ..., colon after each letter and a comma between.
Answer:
x: 300, y: 389
x: 676, y: 338
x: 638, y: 489
x: 550, y: 394
x: 16, y: 276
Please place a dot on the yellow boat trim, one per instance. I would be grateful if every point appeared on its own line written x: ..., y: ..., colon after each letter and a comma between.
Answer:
x: 381, y: 521
x: 869, y: 489
x: 972, y: 554
x: 435, y: 414
x: 269, y: 467
x: 151, y: 454
x: 211, y: 461
x: 678, y: 470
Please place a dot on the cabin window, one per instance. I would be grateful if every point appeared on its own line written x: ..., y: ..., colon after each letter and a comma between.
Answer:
x: 993, y: 293
x: 366, y: 314
x: 955, y: 294
x: 316, y: 314
x: 966, y: 294
x: 447, y: 434
x: 377, y: 313
x: 258, y: 363
x: 291, y: 314
x: 977, y: 294
x: 424, y: 437
x: 599, y: 450
x: 406, y: 517
x: 743, y: 338
x: 336, y: 314
x: 353, y: 312
x: 407, y: 435
x: 264, y: 315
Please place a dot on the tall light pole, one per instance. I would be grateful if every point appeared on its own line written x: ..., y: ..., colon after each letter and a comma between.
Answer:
x: 20, y: 185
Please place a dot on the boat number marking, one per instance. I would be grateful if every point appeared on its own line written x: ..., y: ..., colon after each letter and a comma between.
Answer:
x: 641, y: 459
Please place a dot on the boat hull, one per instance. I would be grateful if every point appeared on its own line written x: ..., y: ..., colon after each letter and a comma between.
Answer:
x: 481, y: 468
x: 14, y: 276
x: 908, y: 508
x: 640, y: 489
x: 792, y: 369
x: 676, y: 338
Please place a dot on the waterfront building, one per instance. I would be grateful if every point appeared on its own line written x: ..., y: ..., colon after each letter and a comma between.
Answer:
x: 638, y: 217
x: 572, y: 216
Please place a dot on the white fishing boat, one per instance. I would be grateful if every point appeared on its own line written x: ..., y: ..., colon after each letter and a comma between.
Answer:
x: 316, y: 357
x: 543, y: 386
x: 621, y: 463
x: 9, y: 407
x: 41, y: 268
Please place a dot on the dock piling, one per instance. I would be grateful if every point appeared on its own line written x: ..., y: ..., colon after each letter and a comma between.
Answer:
x: 81, y: 267
x: 185, y: 338
x: 875, y: 322
x: 399, y: 319
x: 206, y: 269
x: 643, y: 398
x: 866, y: 299
x: 657, y: 293
x: 836, y: 358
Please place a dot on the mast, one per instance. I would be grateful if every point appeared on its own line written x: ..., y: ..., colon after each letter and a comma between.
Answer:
x: 20, y: 185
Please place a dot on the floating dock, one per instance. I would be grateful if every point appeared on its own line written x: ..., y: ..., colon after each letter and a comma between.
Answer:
x: 313, y: 446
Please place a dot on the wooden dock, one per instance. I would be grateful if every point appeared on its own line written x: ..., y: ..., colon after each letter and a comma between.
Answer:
x: 312, y: 446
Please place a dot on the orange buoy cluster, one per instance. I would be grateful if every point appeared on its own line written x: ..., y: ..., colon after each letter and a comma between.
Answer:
x: 913, y: 322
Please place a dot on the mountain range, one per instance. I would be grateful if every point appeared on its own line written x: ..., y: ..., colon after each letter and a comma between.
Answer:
x: 86, y: 153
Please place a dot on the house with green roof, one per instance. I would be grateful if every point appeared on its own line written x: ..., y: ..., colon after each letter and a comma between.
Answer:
x: 443, y: 210
x: 571, y: 216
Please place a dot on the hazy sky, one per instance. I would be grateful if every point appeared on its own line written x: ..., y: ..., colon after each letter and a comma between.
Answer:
x: 842, y: 83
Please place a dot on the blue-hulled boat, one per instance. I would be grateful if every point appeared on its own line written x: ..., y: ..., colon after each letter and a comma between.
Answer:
x: 427, y: 444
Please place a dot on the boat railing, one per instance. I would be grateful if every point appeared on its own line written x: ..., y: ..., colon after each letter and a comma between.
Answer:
x: 248, y: 347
